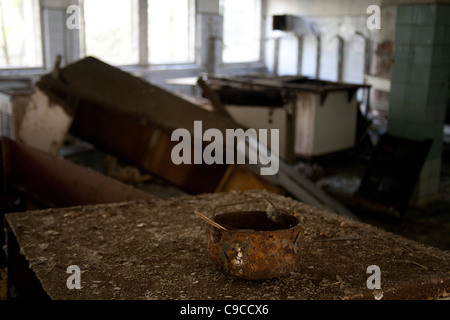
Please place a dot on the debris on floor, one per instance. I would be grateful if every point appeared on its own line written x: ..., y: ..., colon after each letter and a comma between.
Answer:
x: 133, y: 121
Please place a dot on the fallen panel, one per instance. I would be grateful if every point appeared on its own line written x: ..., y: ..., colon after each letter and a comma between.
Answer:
x: 143, y: 145
x: 92, y: 81
x: 133, y: 120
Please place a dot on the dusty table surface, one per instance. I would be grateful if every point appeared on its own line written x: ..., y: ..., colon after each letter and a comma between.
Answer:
x: 157, y: 250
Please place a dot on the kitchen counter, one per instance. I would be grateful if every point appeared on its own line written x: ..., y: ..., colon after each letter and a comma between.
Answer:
x: 157, y: 250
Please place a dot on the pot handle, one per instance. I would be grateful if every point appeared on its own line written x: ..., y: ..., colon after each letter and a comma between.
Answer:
x: 243, y: 202
x: 296, y: 237
x: 296, y: 240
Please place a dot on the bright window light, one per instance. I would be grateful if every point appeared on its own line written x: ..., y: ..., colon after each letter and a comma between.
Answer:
x: 111, y: 30
x: 20, y: 34
x: 171, y: 31
x: 241, y: 30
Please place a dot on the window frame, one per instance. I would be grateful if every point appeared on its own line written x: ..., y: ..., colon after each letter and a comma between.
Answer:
x: 251, y: 64
x: 19, y: 71
x: 143, y: 45
x: 192, y: 25
x: 82, y: 31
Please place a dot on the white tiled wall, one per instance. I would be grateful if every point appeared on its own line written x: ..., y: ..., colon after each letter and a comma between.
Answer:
x: 336, y: 17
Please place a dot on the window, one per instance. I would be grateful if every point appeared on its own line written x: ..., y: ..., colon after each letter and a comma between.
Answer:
x: 171, y: 31
x: 241, y: 30
x: 111, y: 30
x: 20, y: 34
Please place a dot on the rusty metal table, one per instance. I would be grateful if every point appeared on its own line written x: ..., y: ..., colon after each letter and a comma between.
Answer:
x: 157, y: 250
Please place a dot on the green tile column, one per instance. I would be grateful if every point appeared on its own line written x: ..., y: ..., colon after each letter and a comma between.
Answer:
x: 419, y: 84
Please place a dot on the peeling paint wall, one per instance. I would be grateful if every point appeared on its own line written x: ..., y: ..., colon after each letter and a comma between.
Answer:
x: 332, y: 18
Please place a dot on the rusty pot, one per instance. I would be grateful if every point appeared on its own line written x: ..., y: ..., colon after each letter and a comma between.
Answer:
x: 256, y: 245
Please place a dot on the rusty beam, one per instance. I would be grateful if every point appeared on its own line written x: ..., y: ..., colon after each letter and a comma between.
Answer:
x: 53, y: 182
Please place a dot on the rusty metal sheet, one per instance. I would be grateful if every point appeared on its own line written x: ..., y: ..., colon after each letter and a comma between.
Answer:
x: 144, y: 146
